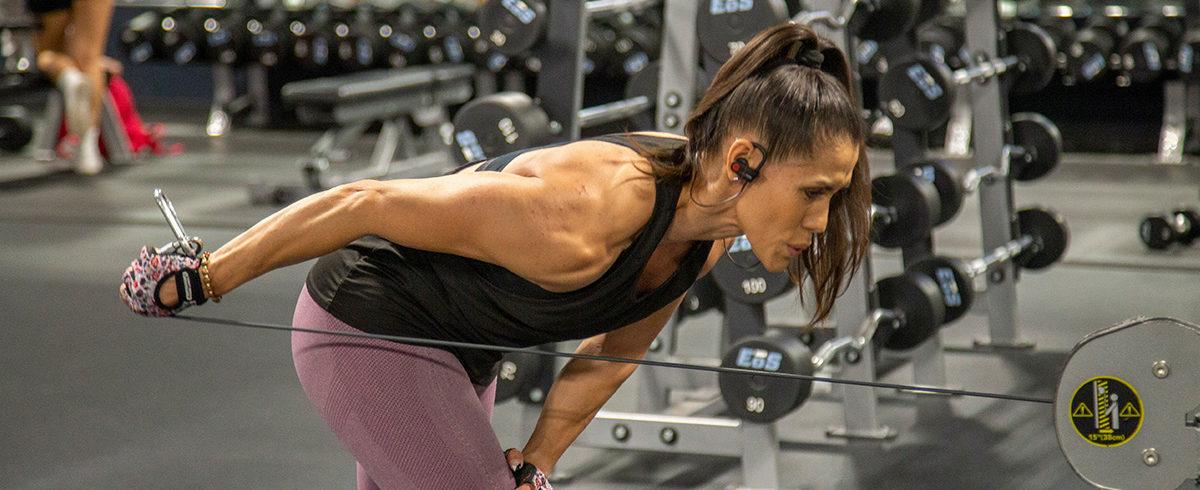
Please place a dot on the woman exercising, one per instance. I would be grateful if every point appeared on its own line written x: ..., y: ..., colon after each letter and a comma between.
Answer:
x: 70, y: 52
x: 595, y: 240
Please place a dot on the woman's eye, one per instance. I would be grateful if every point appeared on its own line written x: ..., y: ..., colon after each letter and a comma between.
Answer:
x: 814, y: 194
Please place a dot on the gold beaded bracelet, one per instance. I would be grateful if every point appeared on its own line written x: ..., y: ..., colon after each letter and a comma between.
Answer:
x: 206, y: 280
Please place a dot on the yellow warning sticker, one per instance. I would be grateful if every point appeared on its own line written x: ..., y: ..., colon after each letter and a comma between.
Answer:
x: 1082, y: 410
x: 1107, y: 411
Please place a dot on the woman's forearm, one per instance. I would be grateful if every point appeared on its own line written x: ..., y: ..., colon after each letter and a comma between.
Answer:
x: 580, y: 391
x: 310, y: 228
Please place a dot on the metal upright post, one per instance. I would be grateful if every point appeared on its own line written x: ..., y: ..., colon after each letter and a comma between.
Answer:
x: 995, y: 195
x: 560, y: 81
x: 224, y: 91
x: 680, y: 55
x: 1174, y: 123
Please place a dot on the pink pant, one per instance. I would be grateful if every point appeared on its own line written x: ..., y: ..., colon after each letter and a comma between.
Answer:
x: 408, y: 414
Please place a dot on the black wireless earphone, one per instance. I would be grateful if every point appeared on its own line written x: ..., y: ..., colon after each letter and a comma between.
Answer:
x: 741, y: 167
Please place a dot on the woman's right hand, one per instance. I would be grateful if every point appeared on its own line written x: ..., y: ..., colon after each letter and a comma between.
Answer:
x: 152, y: 274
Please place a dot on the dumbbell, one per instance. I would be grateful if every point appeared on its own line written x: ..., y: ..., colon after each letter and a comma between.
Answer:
x: 1089, y: 55
x: 399, y: 31
x: 1181, y: 227
x: 182, y: 37
x: 1036, y: 150
x: 629, y: 50
x: 141, y: 36
x: 1150, y: 49
x: 1041, y: 241
x: 703, y: 296
x: 516, y: 27
x: 871, y: 62
x: 524, y: 376
x: 918, y: 93
x: 268, y: 38
x: 504, y: 122
x: 357, y: 38
x: 909, y: 303
x: 16, y: 128
x: 224, y: 36
x: 1063, y: 31
x: 741, y: 277
x: 1185, y: 60
x: 943, y: 39
x: 312, y: 39
x: 438, y: 37
x: 724, y: 26
x: 903, y: 210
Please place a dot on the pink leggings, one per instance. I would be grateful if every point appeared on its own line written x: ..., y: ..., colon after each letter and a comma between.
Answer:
x: 408, y: 414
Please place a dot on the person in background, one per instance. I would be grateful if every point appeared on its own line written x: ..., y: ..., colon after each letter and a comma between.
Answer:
x: 70, y: 52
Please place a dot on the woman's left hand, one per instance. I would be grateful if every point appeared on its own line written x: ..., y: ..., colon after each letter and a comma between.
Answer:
x: 527, y: 476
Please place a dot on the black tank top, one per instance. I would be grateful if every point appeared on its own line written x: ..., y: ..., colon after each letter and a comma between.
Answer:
x: 380, y: 287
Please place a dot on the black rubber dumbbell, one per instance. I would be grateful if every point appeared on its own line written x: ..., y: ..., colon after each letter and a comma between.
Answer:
x: 358, y: 42
x: 1149, y: 50
x: 268, y: 39
x: 141, y: 37
x: 16, y: 128
x: 312, y: 39
x: 1090, y: 55
x: 943, y: 40
x: 225, y: 36
x: 1181, y: 226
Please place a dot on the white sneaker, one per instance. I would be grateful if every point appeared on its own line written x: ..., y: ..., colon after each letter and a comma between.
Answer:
x: 77, y: 102
x: 89, y: 161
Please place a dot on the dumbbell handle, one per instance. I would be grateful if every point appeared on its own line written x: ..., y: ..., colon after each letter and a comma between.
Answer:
x: 976, y: 176
x: 882, y: 216
x: 985, y: 70
x: 831, y: 349
x: 597, y: 7
x: 183, y: 243
x: 613, y: 111
x: 1000, y: 254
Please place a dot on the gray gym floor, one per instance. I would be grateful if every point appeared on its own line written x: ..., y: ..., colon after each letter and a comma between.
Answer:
x: 92, y: 396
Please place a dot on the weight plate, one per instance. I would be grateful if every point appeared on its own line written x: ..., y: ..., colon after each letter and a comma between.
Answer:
x: 644, y: 82
x: 762, y: 399
x: 948, y: 184
x: 1144, y: 53
x: 1187, y: 64
x: 1039, y: 57
x: 723, y: 26
x: 1156, y: 232
x: 917, y: 299
x: 917, y: 94
x: 880, y: 20
x: 915, y: 203
x: 742, y: 277
x: 519, y: 372
x: 513, y: 27
x: 1042, y: 143
x: 1087, y: 57
x: 497, y: 124
x: 16, y: 128
x: 930, y: 9
x: 943, y: 40
x: 1188, y: 222
x: 956, y: 286
x: 704, y: 295
x: 1050, y: 236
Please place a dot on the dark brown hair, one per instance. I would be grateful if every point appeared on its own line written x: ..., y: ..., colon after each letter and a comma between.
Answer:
x: 796, y: 102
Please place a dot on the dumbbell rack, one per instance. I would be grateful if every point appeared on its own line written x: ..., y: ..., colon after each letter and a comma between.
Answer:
x: 859, y: 404
x: 990, y: 137
x: 1181, y: 104
x: 909, y: 149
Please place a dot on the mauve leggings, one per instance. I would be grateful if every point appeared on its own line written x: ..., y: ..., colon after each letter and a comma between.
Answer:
x: 408, y: 414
